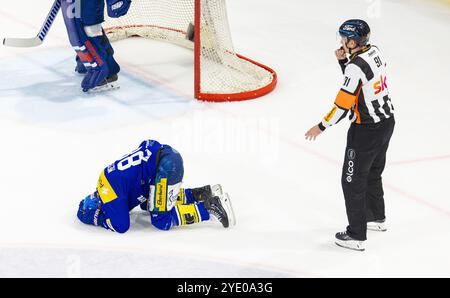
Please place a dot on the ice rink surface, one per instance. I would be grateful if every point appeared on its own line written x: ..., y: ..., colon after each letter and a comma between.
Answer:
x: 286, y: 192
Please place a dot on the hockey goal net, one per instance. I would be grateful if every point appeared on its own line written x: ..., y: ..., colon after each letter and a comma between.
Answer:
x: 200, y: 25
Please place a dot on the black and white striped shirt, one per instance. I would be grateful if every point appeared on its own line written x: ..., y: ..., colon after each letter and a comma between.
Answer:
x: 364, y: 92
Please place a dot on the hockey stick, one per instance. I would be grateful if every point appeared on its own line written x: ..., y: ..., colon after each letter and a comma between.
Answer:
x: 39, y: 39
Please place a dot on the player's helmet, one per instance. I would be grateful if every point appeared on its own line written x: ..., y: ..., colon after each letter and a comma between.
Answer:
x: 357, y: 30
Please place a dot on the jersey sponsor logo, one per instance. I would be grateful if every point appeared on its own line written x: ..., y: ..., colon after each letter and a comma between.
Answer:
x: 171, y: 197
x: 142, y: 199
x: 151, y: 196
x: 180, y: 199
x: 351, y: 154
x: 189, y: 219
x: 97, y: 212
x: 380, y: 85
x: 173, y: 192
x: 330, y: 115
x: 105, y: 190
x: 161, y: 195
x: 349, y: 28
x: 117, y: 5
x: 350, y: 171
x: 187, y: 214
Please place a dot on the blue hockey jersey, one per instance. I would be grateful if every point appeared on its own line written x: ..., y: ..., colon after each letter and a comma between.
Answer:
x: 125, y: 184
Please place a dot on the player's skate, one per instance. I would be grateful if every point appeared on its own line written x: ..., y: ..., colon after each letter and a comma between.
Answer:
x: 206, y: 192
x: 110, y: 83
x: 377, y: 225
x: 344, y: 240
x: 220, y: 207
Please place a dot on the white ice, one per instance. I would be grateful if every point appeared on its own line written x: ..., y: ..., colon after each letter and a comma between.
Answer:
x: 286, y: 191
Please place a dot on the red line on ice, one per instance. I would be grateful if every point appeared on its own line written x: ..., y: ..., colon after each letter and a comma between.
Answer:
x: 329, y: 160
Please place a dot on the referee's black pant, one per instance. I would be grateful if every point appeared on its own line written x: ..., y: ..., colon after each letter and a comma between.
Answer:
x: 365, y: 158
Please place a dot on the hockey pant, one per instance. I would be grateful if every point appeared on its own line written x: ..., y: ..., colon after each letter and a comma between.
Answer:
x: 167, y: 207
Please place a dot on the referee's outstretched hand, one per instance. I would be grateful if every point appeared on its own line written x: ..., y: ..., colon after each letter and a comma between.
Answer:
x: 313, y: 133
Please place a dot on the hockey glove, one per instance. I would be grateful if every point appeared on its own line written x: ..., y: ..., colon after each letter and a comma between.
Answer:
x: 118, y: 8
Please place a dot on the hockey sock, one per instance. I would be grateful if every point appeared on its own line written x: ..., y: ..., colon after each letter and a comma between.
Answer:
x: 189, y: 214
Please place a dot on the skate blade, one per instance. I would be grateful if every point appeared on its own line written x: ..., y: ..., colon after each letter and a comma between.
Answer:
x: 376, y: 227
x: 217, y: 190
x: 226, y: 203
x: 104, y: 88
x: 353, y: 245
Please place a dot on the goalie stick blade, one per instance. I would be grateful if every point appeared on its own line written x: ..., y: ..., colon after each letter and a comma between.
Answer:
x: 22, y: 42
x: 38, y: 40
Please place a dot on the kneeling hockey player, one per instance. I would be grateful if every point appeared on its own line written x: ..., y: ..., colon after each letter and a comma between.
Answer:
x: 83, y: 19
x: 151, y: 176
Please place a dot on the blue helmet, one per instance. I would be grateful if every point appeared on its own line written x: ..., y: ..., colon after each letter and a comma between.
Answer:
x: 357, y: 30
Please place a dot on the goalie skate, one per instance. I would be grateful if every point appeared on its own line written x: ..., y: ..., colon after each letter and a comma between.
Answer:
x: 109, y: 84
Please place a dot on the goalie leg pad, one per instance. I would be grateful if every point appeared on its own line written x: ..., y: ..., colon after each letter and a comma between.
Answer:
x: 91, y: 45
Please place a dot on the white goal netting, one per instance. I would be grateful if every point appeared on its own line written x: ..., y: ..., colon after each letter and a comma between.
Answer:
x: 221, y: 74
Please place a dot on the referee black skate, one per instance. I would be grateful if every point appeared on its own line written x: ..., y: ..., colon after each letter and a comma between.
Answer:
x: 364, y: 96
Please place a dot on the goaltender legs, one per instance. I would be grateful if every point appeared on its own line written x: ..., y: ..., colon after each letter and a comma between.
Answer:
x: 94, y: 59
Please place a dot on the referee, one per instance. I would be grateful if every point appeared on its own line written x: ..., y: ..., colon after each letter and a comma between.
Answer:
x: 364, y: 97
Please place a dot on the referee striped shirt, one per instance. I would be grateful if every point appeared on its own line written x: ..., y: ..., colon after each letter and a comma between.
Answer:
x: 364, y: 95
